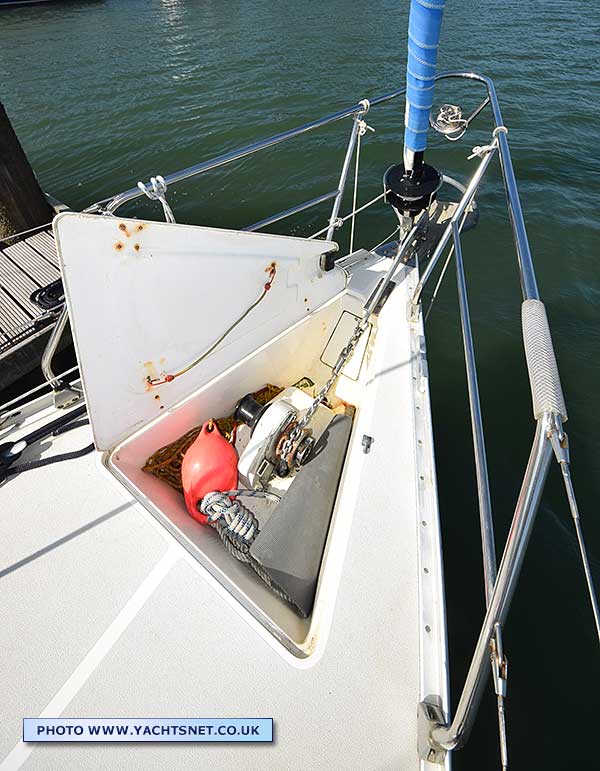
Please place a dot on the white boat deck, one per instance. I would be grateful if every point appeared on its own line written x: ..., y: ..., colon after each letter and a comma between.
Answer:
x: 105, y: 614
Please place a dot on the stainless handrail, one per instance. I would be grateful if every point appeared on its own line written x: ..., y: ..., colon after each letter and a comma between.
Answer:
x: 526, y: 270
x: 51, y: 346
x: 527, y: 274
x: 110, y: 205
x: 443, y: 735
x: 454, y: 735
x: 486, y: 523
x: 64, y: 394
x: 344, y: 176
x: 458, y: 215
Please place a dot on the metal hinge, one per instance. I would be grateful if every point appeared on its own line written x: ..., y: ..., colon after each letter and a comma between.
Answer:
x: 430, y: 716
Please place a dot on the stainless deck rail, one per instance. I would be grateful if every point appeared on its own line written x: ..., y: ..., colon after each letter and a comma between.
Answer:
x: 110, y: 205
x: 437, y: 734
x: 64, y: 396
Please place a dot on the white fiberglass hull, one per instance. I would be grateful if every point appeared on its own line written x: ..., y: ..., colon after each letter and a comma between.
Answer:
x: 113, y: 613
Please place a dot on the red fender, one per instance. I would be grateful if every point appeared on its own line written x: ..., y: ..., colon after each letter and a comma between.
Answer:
x: 209, y: 465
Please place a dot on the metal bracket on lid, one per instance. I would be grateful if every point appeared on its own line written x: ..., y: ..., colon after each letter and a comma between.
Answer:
x: 65, y: 396
x: 430, y: 715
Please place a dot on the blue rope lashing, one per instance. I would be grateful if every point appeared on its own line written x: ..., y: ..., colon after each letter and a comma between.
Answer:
x: 424, y: 28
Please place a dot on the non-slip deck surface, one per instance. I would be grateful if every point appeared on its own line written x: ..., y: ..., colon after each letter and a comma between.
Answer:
x: 25, y: 266
x: 110, y: 616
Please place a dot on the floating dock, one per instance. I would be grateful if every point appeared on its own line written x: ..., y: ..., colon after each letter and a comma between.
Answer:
x: 27, y: 267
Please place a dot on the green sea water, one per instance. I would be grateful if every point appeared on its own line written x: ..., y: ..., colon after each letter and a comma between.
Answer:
x: 105, y: 93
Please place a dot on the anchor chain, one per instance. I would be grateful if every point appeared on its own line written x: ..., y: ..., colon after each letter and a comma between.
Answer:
x: 296, y: 434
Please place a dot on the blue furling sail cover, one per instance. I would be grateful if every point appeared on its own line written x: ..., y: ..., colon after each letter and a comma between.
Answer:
x: 424, y: 27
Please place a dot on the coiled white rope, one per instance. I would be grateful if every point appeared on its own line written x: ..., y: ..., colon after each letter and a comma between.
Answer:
x: 239, y: 523
x: 450, y: 122
x: 238, y: 527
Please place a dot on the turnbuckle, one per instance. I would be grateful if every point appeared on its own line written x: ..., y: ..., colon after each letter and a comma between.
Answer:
x: 560, y: 444
x: 499, y: 662
x: 500, y: 677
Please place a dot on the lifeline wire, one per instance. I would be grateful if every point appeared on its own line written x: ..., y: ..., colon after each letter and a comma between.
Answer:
x: 560, y: 445
x: 351, y: 214
x: 363, y: 127
x: 386, y: 239
x: 443, y: 271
